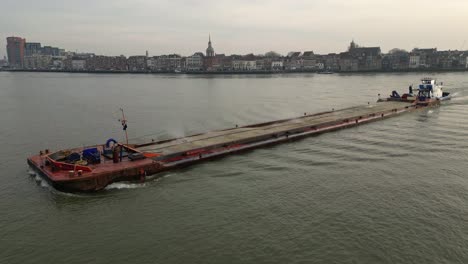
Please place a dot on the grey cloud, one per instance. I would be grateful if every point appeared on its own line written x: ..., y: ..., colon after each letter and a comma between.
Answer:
x: 242, y: 26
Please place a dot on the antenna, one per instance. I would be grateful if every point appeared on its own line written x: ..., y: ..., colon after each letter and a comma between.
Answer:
x: 124, y: 124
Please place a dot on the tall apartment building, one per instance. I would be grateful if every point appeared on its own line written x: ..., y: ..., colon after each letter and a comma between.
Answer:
x: 15, y: 51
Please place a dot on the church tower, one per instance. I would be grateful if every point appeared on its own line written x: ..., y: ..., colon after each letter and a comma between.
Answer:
x: 352, y: 45
x: 210, y: 51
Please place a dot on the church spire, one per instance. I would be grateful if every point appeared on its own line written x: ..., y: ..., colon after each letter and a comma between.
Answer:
x: 210, y: 50
x: 352, y: 45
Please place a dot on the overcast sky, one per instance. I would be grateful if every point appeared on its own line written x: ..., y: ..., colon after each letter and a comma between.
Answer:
x: 130, y: 27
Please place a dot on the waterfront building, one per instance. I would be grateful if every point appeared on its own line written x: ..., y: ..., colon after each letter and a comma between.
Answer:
x: 37, y: 62
x: 347, y: 63
x: 67, y: 63
x: 167, y: 63
x: 195, y: 62
x: 386, y: 63
x: 367, y: 58
x: 310, y: 61
x: 151, y: 62
x: 32, y: 48
x: 58, y: 63
x: 331, y: 61
x: 244, y: 65
x: 401, y: 61
x: 3, y: 62
x: 52, y: 51
x: 451, y: 59
x: 15, y: 51
x: 226, y: 64
x: 218, y: 62
x: 273, y: 61
x: 158, y: 63
x: 236, y: 65
x: 67, y: 53
x: 293, y: 61
x: 320, y: 66
x: 78, y: 64
x: 264, y: 63
x: 414, y: 61
x: 183, y: 63
x: 423, y: 58
x: 119, y: 63
x: 277, y: 65
x: 137, y: 63
x: 75, y: 62
x: 396, y: 60
x: 106, y: 63
x: 445, y: 60
x: 260, y: 64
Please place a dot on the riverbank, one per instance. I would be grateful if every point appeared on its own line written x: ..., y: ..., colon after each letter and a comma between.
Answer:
x: 239, y: 72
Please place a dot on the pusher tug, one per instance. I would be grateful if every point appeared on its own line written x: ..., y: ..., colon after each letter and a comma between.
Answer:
x: 429, y: 92
x: 92, y: 168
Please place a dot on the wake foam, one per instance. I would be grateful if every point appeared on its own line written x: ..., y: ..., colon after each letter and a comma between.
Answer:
x: 122, y: 185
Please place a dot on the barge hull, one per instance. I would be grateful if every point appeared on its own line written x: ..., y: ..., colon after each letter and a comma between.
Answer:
x: 171, y: 154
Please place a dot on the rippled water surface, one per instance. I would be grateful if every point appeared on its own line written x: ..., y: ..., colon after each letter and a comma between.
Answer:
x: 394, y: 191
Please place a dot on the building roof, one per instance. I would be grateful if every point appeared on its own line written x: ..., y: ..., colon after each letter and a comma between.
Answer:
x: 364, y: 52
x: 294, y: 54
x: 198, y: 54
x: 308, y: 54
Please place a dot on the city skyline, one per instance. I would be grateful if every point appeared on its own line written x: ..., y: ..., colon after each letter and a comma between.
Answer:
x: 34, y: 56
x: 182, y: 27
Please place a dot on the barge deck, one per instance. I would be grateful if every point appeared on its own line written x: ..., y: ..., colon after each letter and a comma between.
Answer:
x: 94, y: 167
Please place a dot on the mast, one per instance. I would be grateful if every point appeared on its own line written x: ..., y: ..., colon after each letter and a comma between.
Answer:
x: 124, y: 124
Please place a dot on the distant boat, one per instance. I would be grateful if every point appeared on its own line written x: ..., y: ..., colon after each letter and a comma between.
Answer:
x: 325, y: 72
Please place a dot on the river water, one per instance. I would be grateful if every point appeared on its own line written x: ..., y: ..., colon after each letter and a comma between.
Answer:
x: 393, y: 191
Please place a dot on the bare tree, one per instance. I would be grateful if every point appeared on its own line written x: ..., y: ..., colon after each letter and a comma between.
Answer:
x: 272, y: 54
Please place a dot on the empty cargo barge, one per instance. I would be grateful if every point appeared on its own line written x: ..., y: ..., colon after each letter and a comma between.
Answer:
x: 92, y: 168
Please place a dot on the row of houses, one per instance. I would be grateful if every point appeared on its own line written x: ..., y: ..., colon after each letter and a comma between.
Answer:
x: 355, y: 59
